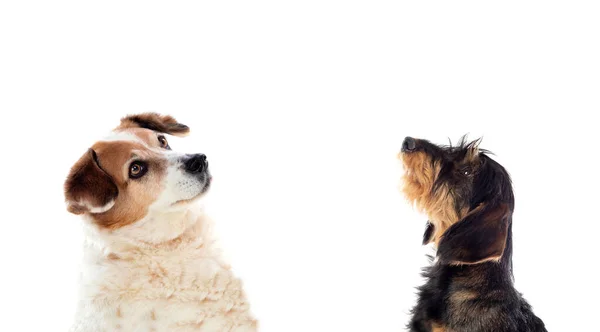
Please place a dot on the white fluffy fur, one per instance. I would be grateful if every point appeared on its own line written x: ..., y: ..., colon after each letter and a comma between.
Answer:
x: 129, y: 284
x: 161, y: 273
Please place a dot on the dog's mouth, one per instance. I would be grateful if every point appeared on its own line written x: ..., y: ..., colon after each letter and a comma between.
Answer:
x: 205, y: 183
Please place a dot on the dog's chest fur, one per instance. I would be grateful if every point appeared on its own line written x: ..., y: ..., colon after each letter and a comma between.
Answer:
x: 476, y: 298
x: 184, y: 287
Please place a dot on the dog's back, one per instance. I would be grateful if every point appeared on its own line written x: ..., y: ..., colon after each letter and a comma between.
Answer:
x: 474, y: 298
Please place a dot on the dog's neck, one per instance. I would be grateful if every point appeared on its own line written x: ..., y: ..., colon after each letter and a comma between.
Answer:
x: 160, y: 232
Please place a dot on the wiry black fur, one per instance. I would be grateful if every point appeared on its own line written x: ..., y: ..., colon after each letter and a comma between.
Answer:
x: 474, y: 297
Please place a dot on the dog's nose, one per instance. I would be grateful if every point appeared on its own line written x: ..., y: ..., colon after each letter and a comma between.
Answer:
x: 196, y: 163
x: 409, y: 144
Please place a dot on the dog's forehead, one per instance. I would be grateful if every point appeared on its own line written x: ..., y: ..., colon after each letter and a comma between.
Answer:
x: 458, y: 153
x: 141, y: 135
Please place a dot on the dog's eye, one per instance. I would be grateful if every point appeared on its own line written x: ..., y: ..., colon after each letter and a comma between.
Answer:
x: 163, y: 142
x: 466, y: 170
x: 137, y: 169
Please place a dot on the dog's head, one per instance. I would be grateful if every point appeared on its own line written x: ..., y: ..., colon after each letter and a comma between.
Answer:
x: 467, y: 196
x: 133, y: 174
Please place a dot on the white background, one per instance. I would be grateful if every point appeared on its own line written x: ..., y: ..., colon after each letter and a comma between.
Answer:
x: 301, y: 108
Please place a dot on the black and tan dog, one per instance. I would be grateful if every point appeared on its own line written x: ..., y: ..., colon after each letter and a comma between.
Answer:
x: 469, y: 200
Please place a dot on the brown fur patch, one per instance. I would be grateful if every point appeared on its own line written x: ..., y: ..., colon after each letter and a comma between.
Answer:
x: 419, y: 179
x: 438, y: 328
x: 134, y: 196
x: 88, y: 185
x: 156, y: 122
x: 459, y: 297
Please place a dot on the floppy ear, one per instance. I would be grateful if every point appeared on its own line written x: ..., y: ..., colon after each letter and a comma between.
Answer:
x: 154, y: 121
x: 477, y: 238
x: 88, y: 187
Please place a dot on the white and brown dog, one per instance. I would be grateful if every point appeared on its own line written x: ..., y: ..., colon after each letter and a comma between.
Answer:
x: 150, y: 263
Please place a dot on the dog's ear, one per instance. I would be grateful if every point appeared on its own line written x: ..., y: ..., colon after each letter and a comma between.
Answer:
x: 477, y: 238
x: 88, y: 187
x: 153, y: 121
x: 429, y: 231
